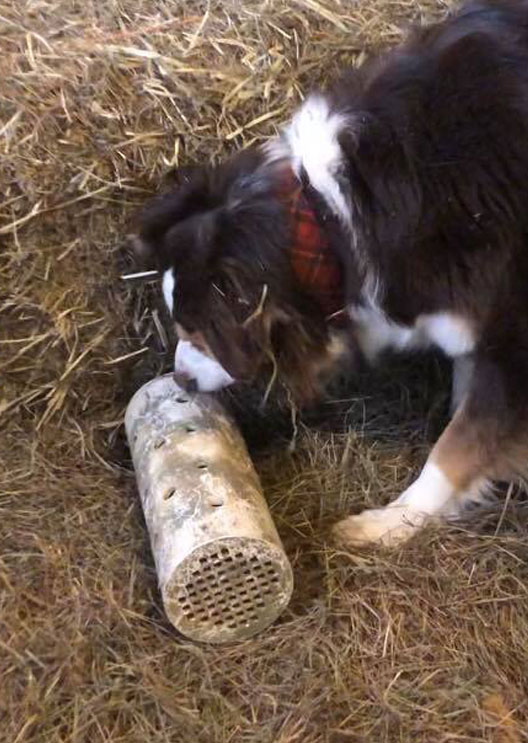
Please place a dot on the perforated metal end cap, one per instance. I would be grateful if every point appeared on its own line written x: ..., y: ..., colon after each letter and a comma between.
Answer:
x: 228, y: 590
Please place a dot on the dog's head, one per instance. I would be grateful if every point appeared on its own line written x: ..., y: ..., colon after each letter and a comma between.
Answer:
x: 222, y: 240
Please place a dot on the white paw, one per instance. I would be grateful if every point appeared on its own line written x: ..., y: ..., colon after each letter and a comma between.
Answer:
x: 388, y: 526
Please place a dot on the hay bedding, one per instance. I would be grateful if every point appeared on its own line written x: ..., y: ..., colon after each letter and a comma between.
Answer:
x: 428, y: 643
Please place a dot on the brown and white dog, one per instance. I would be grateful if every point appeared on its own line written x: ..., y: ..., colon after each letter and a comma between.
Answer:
x: 392, y: 213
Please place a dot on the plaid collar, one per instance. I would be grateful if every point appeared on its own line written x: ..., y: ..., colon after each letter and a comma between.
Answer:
x: 313, y: 260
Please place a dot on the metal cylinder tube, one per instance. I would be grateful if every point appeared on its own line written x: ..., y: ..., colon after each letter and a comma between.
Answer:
x: 222, y: 570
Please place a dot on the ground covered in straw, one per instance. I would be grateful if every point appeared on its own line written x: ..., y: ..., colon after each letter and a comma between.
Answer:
x: 425, y: 644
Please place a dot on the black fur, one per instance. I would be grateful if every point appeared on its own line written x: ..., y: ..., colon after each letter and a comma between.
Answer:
x: 437, y: 174
x: 438, y: 167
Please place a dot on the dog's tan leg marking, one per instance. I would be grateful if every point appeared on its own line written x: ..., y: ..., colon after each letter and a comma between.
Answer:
x: 453, y: 469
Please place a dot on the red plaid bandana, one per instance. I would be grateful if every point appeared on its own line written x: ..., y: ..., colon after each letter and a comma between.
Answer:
x: 316, y: 267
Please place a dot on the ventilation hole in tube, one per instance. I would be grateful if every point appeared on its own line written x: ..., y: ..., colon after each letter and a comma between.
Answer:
x: 169, y: 493
x: 159, y: 443
x: 216, y: 501
x: 190, y: 428
x: 181, y: 399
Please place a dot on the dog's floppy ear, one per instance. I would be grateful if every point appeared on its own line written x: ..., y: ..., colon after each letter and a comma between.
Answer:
x: 253, y: 322
x: 186, y: 197
x: 181, y: 176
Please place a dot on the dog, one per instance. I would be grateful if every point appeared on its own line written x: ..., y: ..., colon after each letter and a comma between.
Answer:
x: 390, y: 214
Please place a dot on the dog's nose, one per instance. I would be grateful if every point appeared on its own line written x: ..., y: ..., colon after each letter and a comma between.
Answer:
x: 189, y: 384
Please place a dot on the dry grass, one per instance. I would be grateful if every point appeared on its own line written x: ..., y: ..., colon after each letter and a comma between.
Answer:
x: 426, y: 644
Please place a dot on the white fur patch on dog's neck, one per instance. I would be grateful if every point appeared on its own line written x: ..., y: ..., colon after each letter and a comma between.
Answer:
x: 311, y: 143
x: 376, y: 332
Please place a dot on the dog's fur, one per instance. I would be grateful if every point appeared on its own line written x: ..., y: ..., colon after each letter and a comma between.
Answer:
x: 416, y: 167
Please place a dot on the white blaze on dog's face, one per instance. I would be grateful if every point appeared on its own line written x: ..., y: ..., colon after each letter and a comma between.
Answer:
x: 167, y: 287
x: 193, y: 366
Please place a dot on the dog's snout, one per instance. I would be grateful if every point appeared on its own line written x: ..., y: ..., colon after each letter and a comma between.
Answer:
x: 196, y: 372
x: 187, y: 383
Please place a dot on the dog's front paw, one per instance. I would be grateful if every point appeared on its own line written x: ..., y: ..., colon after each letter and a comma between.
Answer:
x: 386, y: 526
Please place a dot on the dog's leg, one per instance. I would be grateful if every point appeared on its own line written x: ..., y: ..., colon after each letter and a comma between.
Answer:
x: 462, y: 371
x: 487, y: 438
x: 448, y: 471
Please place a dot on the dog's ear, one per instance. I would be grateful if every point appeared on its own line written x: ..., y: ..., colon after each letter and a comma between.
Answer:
x: 237, y: 310
x: 164, y: 212
x: 254, y: 324
x: 180, y: 176
x: 142, y: 251
x: 189, y: 243
x: 299, y: 350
